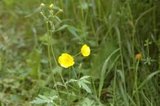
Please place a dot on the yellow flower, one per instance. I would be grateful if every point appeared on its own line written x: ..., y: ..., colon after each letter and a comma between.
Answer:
x: 138, y: 56
x: 85, y: 50
x: 66, y: 60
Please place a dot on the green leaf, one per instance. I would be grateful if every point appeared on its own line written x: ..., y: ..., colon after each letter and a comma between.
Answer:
x: 62, y: 27
x: 84, y: 86
x: 82, y: 83
x: 87, y: 102
x: 73, y: 31
x: 57, y: 70
x: 47, y: 40
x: 103, y: 71
x: 34, y: 63
x: 106, y: 49
x: 148, y: 78
x: 44, y: 100
x: 71, y: 80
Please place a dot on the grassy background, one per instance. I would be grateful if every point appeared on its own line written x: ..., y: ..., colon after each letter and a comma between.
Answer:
x: 115, y: 30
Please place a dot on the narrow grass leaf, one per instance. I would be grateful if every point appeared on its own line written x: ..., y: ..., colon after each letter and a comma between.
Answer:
x: 148, y: 78
x: 103, y: 71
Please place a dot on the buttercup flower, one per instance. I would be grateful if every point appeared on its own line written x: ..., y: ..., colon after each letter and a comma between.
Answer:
x: 138, y: 56
x: 85, y: 50
x: 66, y: 60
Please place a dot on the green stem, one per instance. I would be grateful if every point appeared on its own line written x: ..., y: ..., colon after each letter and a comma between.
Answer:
x: 136, y: 85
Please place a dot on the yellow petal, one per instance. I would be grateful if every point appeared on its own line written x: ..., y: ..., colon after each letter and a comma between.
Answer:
x: 66, y: 60
x: 85, y: 50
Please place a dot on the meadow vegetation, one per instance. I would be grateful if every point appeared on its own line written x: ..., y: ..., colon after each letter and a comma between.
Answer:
x: 79, y: 53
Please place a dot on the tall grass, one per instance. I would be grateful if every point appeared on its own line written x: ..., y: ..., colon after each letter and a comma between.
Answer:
x: 32, y: 37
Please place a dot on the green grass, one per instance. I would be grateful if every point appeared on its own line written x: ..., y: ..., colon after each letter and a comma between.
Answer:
x: 115, y: 30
